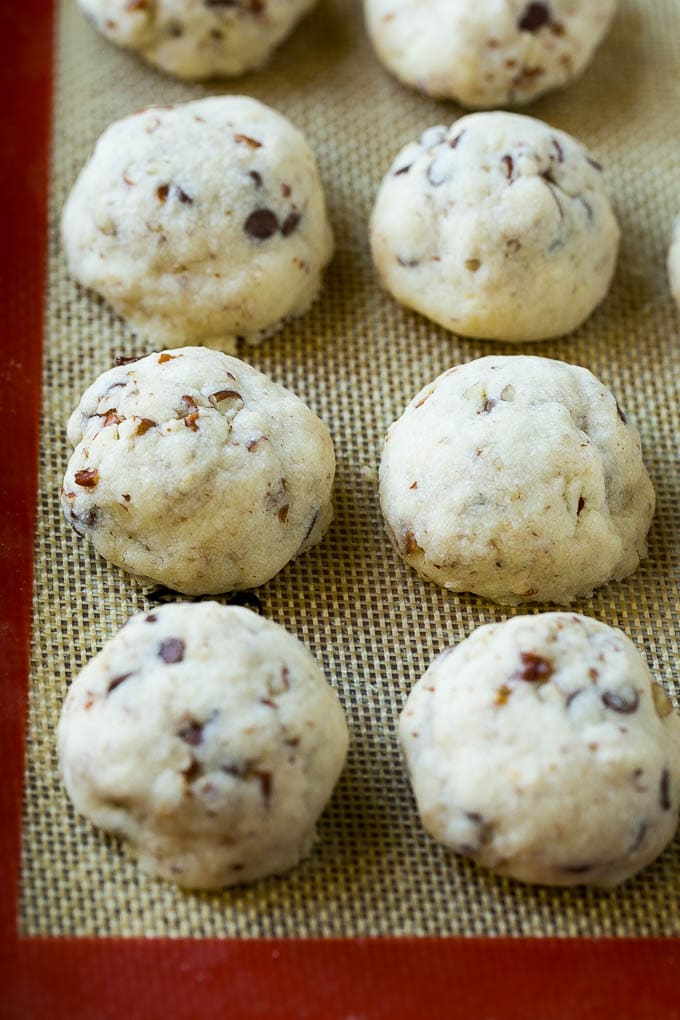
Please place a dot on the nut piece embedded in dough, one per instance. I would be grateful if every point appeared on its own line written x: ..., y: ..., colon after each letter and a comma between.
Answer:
x: 200, y: 223
x: 498, y: 228
x: 484, y: 53
x: 536, y: 747
x: 198, y: 39
x: 208, y: 739
x: 519, y: 479
x: 193, y: 470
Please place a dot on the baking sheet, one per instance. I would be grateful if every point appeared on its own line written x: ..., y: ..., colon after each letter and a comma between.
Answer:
x: 357, y: 358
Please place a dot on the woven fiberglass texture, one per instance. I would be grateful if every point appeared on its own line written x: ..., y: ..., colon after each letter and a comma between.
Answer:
x: 357, y: 358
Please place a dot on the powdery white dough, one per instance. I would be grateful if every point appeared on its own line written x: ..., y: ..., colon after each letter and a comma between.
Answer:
x: 674, y: 263
x: 198, y: 39
x: 540, y: 748
x: 200, y: 223
x: 193, y: 470
x: 498, y: 228
x: 519, y: 479
x: 487, y: 52
x: 208, y: 739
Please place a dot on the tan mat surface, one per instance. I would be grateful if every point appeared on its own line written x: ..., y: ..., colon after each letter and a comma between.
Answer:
x: 357, y: 358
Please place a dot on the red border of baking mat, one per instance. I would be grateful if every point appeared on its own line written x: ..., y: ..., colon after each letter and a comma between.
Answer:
x: 97, y: 979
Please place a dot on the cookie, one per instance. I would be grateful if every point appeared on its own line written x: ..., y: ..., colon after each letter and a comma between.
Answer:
x: 198, y: 39
x: 674, y: 263
x: 193, y: 470
x: 498, y: 228
x: 208, y: 739
x: 200, y: 223
x: 483, y: 53
x: 541, y: 748
x: 516, y: 478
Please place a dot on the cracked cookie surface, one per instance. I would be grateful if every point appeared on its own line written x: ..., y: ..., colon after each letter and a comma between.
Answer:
x: 194, y: 470
x: 197, y: 39
x: 498, y: 227
x: 200, y: 223
x: 541, y: 748
x: 208, y: 739
x: 486, y: 53
x: 516, y: 478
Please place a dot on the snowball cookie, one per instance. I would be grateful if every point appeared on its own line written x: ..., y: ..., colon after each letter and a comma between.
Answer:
x: 208, y: 738
x: 497, y: 228
x: 196, y: 39
x: 674, y: 262
x: 200, y: 222
x: 193, y: 470
x: 541, y: 748
x: 518, y: 479
x: 487, y: 52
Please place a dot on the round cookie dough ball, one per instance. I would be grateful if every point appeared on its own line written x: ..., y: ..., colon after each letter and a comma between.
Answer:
x: 540, y: 748
x: 193, y: 470
x: 197, y: 39
x: 487, y: 52
x: 498, y: 227
x: 201, y: 222
x: 674, y: 263
x: 207, y: 738
x: 518, y: 479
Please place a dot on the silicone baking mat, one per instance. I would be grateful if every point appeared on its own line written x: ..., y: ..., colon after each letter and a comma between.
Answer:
x: 356, y: 358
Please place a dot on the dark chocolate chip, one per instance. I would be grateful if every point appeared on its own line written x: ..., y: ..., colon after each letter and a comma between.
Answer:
x: 535, y: 16
x: 625, y: 704
x: 581, y: 504
x: 261, y: 224
x: 665, y: 790
x: 256, y: 177
x: 192, y: 734
x: 402, y: 170
x: 117, y: 681
x: 151, y: 618
x: 172, y: 650
x: 509, y: 164
x: 290, y: 223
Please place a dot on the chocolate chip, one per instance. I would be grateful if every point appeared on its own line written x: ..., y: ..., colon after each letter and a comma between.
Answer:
x: 269, y: 703
x: 402, y: 170
x: 261, y: 224
x: 151, y: 618
x: 625, y: 703
x: 182, y: 195
x: 581, y: 504
x: 509, y: 164
x: 535, y: 16
x: 191, y: 733
x: 559, y: 150
x: 454, y: 141
x: 172, y: 650
x: 117, y: 681
x: 256, y: 177
x: 87, y: 478
x: 665, y: 790
x: 290, y: 223
x: 534, y: 668
x: 490, y: 404
x: 285, y: 189
x: 265, y: 780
